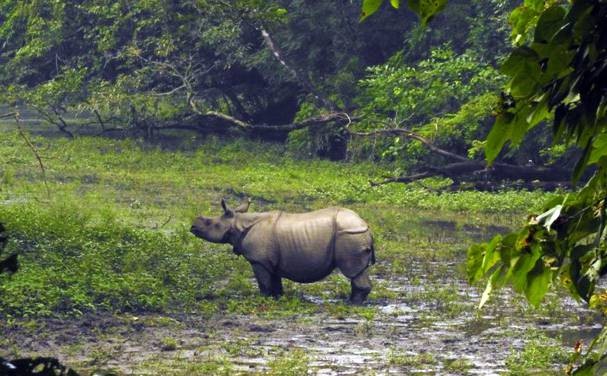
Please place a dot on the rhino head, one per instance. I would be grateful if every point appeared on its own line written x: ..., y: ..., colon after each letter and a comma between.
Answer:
x: 218, y: 229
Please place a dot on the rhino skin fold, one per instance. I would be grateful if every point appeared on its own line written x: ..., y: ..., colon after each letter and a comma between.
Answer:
x: 302, y: 247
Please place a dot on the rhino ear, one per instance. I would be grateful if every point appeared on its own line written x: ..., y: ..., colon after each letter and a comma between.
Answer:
x: 244, y: 207
x: 227, y: 211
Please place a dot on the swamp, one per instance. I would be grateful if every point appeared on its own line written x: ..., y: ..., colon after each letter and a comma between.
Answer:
x: 469, y: 135
x: 110, y: 250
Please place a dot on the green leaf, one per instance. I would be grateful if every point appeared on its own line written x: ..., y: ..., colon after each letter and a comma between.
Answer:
x: 476, y: 254
x: 281, y: 12
x: 582, y: 163
x: 599, y: 149
x: 486, y: 293
x: 500, y: 133
x: 498, y: 279
x: 491, y: 256
x: 557, y: 61
x: 395, y: 3
x: 520, y: 20
x: 370, y: 7
x: 501, y: 276
x: 538, y: 281
x: 549, y: 23
x: 426, y: 9
x: 523, y: 266
x: 535, y: 5
x: 520, y: 125
x: 538, y: 113
x: 517, y: 60
x: 524, y: 83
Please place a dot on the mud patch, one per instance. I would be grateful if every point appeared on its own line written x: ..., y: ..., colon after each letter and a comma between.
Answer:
x: 404, y: 335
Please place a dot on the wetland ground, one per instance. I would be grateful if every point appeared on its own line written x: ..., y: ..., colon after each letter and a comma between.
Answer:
x: 111, y: 279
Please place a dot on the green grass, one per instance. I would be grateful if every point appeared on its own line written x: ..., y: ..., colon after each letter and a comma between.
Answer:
x: 397, y: 358
x: 112, y: 235
x: 112, y: 238
x: 537, y: 357
x: 292, y: 363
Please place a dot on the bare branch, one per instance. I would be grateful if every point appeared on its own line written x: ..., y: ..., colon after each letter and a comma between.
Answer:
x: 315, y: 120
x: 62, y: 125
x: 409, y: 134
x: 59, y: 122
x: 17, y: 117
x: 304, y: 81
x: 170, y: 92
x: 99, y: 118
x: 478, y: 171
x: 228, y: 118
x: 8, y: 115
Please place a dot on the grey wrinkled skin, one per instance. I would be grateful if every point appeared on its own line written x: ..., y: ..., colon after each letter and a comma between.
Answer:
x: 303, y: 247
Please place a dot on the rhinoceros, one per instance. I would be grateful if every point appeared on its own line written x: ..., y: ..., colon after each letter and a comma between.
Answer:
x: 302, y: 247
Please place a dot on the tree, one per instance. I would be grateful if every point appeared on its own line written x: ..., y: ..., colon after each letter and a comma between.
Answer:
x: 557, y: 74
x: 146, y: 64
x: 200, y: 65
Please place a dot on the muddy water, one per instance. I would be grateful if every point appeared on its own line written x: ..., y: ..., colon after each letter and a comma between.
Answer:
x: 403, y: 338
x: 429, y: 321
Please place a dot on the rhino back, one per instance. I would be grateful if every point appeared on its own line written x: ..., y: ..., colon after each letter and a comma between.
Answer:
x: 305, y: 243
x: 304, y: 231
x: 314, y: 232
x: 306, y: 247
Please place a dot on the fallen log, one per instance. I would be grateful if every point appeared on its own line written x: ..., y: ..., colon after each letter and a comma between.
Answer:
x: 466, y: 169
x: 477, y: 171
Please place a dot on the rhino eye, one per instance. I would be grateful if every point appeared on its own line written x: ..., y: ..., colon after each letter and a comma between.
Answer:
x: 207, y: 222
x: 216, y: 225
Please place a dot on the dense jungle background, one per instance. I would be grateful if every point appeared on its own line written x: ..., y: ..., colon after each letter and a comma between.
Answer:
x: 470, y: 135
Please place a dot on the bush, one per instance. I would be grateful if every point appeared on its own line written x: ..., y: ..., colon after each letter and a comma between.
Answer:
x: 72, y: 264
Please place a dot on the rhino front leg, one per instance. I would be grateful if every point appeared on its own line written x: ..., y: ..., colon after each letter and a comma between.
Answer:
x: 269, y: 283
x: 361, y: 287
x: 276, y: 285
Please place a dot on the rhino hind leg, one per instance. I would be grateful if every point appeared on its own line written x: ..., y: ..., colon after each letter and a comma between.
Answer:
x: 361, y: 287
x: 269, y: 284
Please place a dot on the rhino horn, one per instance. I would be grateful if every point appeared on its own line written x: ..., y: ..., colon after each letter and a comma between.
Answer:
x: 227, y: 211
x: 244, y: 207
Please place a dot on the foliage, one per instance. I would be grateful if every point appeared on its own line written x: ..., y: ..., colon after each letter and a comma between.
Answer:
x: 160, y: 63
x: 425, y: 9
x: 83, y: 266
x: 446, y: 98
x: 562, y: 244
x: 100, y: 244
x: 113, y: 200
x: 294, y: 363
x: 326, y: 44
x: 147, y: 57
x: 538, y: 356
x: 433, y: 87
x: 557, y: 77
x: 557, y: 74
x: 371, y: 95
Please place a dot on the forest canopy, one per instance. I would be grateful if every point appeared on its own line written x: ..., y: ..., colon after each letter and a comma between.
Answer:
x: 309, y: 74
